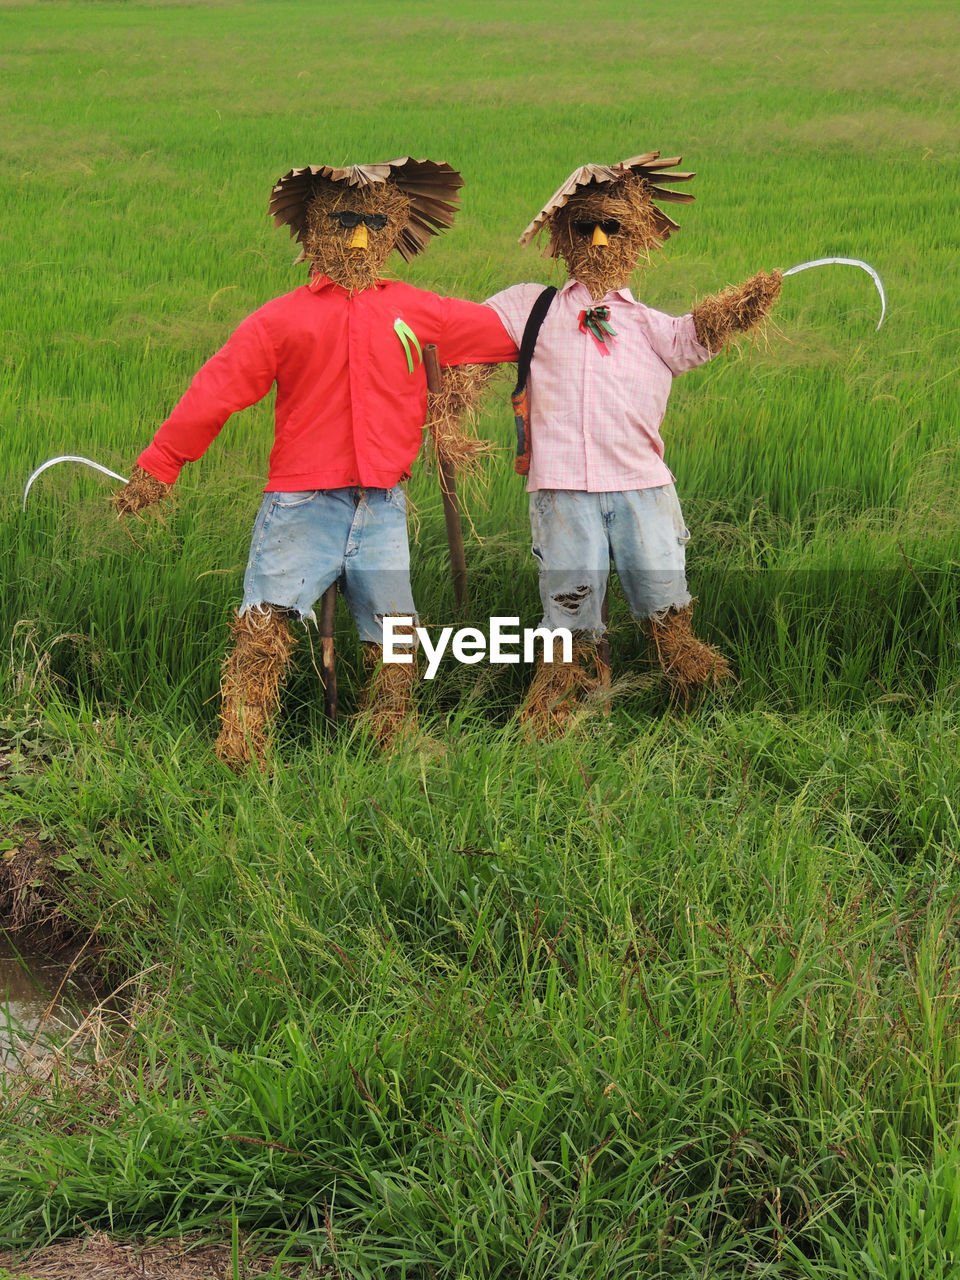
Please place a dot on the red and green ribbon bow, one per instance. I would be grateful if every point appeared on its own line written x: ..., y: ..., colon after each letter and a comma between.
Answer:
x: 596, y: 322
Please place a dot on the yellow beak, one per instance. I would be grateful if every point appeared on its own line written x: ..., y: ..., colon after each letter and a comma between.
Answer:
x: 598, y: 237
x: 359, y: 239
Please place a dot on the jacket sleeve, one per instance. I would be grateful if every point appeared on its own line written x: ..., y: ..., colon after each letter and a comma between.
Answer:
x: 472, y: 333
x: 240, y: 374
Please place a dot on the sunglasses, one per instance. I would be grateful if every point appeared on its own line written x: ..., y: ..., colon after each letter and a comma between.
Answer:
x: 349, y: 218
x: 587, y: 226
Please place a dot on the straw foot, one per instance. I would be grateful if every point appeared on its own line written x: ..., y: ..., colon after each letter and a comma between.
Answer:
x: 562, y: 692
x: 688, y: 663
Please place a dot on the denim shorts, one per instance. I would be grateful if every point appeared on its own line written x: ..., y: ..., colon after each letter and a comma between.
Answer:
x: 575, y: 535
x: 303, y: 542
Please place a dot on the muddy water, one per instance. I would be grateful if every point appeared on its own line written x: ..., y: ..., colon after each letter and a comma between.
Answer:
x: 38, y: 1001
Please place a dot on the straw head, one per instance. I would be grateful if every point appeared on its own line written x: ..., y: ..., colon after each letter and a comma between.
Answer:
x: 648, y: 166
x: 431, y: 187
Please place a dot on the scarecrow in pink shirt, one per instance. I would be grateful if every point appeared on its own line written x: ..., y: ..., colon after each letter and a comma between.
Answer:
x: 600, y: 375
x: 344, y: 351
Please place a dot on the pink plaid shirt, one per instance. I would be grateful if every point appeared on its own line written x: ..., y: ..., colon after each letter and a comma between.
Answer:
x: 595, y: 414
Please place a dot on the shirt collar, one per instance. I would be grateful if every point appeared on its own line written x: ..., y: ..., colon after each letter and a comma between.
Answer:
x: 623, y: 293
x: 319, y: 282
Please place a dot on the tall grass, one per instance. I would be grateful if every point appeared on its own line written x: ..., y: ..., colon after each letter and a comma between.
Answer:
x: 676, y: 996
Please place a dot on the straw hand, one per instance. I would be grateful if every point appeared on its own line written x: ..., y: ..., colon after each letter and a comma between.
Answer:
x: 141, y: 490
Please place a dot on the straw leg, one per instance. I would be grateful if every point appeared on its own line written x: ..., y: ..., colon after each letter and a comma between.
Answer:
x: 252, y: 675
x: 388, y: 708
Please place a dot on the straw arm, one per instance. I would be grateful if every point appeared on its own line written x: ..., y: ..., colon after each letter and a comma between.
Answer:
x: 735, y: 310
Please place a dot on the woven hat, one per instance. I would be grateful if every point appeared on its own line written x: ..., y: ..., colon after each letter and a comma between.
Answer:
x: 431, y: 186
x: 648, y: 166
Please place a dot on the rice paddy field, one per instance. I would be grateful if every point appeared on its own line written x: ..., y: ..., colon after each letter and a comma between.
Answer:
x: 674, y: 996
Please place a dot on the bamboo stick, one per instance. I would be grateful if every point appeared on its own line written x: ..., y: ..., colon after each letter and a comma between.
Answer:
x: 448, y: 488
x: 328, y: 668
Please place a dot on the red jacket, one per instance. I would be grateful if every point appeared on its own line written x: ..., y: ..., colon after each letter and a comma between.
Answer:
x: 348, y: 411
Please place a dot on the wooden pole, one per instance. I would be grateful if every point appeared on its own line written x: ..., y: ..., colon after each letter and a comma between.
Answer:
x: 328, y: 668
x: 448, y: 488
x: 603, y: 648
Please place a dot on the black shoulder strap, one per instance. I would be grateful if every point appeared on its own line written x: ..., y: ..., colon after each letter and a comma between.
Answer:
x: 529, y: 339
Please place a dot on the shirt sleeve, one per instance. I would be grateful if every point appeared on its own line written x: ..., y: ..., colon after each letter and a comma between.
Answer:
x: 513, y: 306
x: 473, y: 334
x: 240, y: 374
x: 674, y: 339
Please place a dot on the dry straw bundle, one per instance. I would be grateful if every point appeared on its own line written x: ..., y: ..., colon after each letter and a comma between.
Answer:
x: 388, y: 710
x: 250, y: 681
x: 688, y: 663
x: 141, y: 490
x: 432, y: 187
x: 452, y: 413
x: 648, y: 167
x: 736, y: 309
x: 562, y: 690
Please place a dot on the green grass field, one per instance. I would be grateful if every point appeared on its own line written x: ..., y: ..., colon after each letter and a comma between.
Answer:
x: 676, y: 996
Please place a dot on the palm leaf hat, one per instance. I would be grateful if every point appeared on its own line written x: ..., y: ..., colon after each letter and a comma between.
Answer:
x: 648, y: 166
x: 431, y: 186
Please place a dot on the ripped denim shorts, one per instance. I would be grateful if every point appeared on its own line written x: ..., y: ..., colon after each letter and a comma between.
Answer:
x: 575, y: 536
x: 303, y: 542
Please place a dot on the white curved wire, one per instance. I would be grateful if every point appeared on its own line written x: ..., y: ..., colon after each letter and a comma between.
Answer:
x: 847, y: 262
x: 67, y: 457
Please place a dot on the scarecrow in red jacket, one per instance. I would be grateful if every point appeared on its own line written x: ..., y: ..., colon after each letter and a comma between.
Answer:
x: 599, y: 380
x: 344, y: 351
